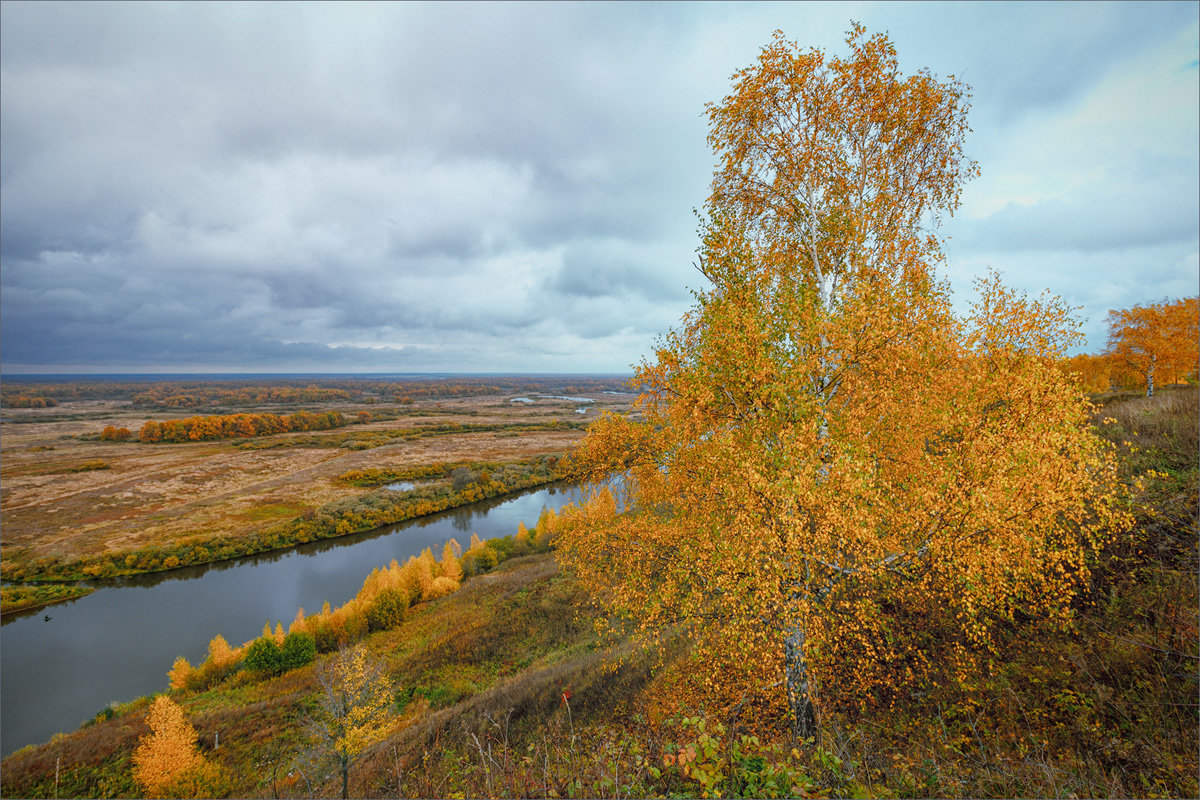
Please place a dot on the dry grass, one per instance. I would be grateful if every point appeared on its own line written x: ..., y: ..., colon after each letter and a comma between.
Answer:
x: 161, y: 494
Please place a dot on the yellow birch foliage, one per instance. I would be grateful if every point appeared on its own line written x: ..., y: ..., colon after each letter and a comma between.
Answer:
x: 181, y: 670
x: 349, y: 621
x: 441, y: 586
x: 543, y: 532
x: 450, y: 566
x: 168, y: 753
x: 424, y: 566
x: 1094, y: 373
x: 221, y: 654
x: 836, y: 481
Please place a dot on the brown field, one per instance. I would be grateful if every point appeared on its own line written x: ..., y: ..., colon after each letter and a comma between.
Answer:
x: 127, y: 495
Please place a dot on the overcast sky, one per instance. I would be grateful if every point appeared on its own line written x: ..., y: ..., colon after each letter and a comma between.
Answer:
x: 509, y: 187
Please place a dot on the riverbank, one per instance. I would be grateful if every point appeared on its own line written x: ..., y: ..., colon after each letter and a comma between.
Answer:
x: 363, y: 512
x: 509, y: 636
x: 15, y: 599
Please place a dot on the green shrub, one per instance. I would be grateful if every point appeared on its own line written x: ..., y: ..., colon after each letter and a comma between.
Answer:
x: 387, y: 609
x: 264, y: 656
x: 439, y: 695
x: 299, y: 648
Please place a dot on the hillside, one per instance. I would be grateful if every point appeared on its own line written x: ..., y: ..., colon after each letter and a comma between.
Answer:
x: 503, y: 688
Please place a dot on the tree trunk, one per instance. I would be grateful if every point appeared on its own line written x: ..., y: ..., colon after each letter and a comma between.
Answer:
x: 345, y: 778
x: 804, y: 714
x: 1150, y: 378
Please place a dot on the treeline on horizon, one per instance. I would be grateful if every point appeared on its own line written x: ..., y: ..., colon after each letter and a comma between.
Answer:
x: 235, y: 392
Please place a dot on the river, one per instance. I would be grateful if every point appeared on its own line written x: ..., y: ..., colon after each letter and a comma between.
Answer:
x: 118, y: 642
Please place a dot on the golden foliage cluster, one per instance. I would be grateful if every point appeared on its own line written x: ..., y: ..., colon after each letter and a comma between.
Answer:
x: 385, y: 596
x: 229, y: 426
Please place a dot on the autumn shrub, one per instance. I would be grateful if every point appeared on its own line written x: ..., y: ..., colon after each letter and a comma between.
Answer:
x: 461, y: 477
x: 231, y: 426
x: 378, y: 476
x: 480, y: 561
x: 348, y: 623
x: 222, y: 660
x: 422, y: 572
x: 9, y: 401
x: 470, y: 564
x: 180, y: 674
x: 387, y: 609
x: 503, y: 546
x: 353, y: 709
x: 324, y: 637
x: 451, y: 566
x: 112, y: 433
x: 83, y: 466
x: 15, y: 598
x: 441, y: 587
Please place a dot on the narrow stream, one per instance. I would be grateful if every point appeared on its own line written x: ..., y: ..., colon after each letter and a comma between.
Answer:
x: 118, y: 642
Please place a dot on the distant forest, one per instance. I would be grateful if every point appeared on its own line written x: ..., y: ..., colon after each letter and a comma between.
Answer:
x: 191, y: 393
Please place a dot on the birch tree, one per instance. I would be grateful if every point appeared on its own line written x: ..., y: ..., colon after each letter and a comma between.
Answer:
x: 826, y: 453
x: 1158, y: 340
x: 354, y: 707
x: 168, y: 755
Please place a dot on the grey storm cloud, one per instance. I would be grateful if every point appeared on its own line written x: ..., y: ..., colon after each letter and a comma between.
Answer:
x: 1106, y: 221
x: 475, y: 186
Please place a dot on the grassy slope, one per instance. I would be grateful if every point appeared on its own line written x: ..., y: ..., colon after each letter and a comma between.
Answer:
x: 510, y: 638
x: 1106, y: 710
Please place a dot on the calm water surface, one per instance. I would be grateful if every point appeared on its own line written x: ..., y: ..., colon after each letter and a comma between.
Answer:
x: 118, y: 642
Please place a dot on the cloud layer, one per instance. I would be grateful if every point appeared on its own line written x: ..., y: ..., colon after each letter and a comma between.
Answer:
x: 497, y: 187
